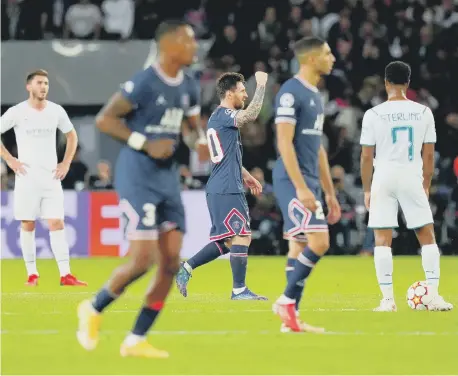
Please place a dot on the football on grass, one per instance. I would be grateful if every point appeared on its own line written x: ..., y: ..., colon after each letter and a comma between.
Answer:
x: 418, y: 296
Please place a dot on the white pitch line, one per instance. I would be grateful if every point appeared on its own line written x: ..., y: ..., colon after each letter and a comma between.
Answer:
x: 231, y: 332
x: 196, y: 311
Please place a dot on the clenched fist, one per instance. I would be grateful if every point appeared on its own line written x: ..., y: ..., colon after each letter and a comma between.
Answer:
x: 261, y: 78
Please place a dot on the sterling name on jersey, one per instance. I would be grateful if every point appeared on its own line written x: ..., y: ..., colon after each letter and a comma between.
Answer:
x: 398, y: 130
x: 300, y: 104
x: 225, y: 147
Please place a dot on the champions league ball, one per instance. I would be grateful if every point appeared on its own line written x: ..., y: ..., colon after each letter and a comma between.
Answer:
x: 418, y: 296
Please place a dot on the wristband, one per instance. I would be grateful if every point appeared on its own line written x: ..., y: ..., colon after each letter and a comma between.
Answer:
x: 136, y: 140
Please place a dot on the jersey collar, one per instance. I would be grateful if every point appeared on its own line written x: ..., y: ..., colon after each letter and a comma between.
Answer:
x: 306, y: 84
x: 172, y: 81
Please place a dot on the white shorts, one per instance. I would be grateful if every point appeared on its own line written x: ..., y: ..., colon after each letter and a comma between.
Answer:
x: 398, y: 188
x: 33, y: 200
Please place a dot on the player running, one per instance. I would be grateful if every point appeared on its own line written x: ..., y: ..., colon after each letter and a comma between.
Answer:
x: 226, y: 199
x: 152, y: 105
x: 402, y: 133
x: 38, y: 189
x: 299, y: 170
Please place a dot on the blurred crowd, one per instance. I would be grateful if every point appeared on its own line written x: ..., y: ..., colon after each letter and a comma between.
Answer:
x: 250, y: 35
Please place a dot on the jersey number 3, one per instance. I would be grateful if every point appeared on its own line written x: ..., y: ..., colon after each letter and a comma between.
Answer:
x: 214, y: 146
x: 409, y: 130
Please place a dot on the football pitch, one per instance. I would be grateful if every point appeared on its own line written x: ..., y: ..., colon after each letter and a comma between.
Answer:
x: 207, y: 333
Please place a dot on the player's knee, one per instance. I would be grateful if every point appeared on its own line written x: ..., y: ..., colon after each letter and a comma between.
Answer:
x: 295, y: 248
x: 426, y: 235
x: 170, y: 263
x: 319, y: 243
x: 55, y: 224
x: 242, y: 240
x: 383, y: 238
x: 142, y: 258
x: 28, y: 226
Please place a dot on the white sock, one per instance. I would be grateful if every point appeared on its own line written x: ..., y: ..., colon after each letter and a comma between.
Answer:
x: 133, y: 339
x: 188, y: 267
x: 430, y: 259
x: 29, y: 251
x: 61, y: 252
x: 238, y: 290
x: 383, y: 260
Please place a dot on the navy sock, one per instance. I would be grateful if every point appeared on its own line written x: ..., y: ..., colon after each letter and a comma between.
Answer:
x: 239, y: 261
x: 208, y: 253
x: 103, y: 299
x: 290, y: 263
x: 303, y: 267
x: 146, y: 318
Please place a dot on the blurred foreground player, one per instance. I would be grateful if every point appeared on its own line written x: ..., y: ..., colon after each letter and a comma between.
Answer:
x: 403, y: 134
x: 38, y: 189
x: 153, y: 104
x: 226, y: 200
x: 300, y: 171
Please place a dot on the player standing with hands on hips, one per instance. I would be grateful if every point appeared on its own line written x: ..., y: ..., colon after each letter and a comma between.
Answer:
x: 402, y: 133
x: 226, y: 199
x: 37, y: 189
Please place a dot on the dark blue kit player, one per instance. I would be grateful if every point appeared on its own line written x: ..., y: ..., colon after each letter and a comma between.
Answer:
x: 301, y: 170
x: 226, y: 200
x: 147, y: 115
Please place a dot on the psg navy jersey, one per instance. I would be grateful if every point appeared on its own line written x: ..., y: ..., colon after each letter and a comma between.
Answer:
x: 225, y: 146
x: 300, y: 104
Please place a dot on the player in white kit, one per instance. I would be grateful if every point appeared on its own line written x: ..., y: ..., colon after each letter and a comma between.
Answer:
x: 402, y: 134
x: 38, y: 189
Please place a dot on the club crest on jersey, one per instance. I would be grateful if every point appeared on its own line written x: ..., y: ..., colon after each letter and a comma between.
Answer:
x: 287, y: 100
x: 185, y: 101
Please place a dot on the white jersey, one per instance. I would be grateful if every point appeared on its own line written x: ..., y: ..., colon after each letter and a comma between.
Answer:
x: 398, y: 130
x: 35, y: 132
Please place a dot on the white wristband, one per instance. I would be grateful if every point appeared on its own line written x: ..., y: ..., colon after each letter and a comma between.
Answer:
x: 136, y: 140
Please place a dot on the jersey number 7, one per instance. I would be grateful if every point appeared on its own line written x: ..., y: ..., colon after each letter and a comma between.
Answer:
x: 409, y: 130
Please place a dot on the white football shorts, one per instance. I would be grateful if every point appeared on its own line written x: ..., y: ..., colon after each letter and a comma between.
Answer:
x: 394, y: 188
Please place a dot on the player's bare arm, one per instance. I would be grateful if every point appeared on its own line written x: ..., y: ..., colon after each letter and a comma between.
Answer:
x: 194, y: 137
x: 70, y: 150
x: 367, y: 168
x: 252, y: 183
x: 254, y: 108
x: 328, y: 187
x: 110, y: 121
x: 16, y: 165
x: 285, y: 136
x: 427, y: 154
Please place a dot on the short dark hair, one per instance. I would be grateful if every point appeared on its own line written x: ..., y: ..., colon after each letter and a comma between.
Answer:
x: 398, y: 73
x: 167, y: 27
x: 228, y: 81
x: 38, y: 72
x: 307, y: 44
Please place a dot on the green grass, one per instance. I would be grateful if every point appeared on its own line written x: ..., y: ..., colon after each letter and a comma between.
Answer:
x: 207, y: 333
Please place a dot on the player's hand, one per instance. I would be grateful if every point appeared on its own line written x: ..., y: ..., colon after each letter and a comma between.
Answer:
x: 202, y: 150
x: 17, y: 166
x: 307, y: 198
x: 367, y: 200
x: 261, y: 78
x: 334, y: 209
x: 160, y: 149
x: 253, y: 184
x: 61, y: 170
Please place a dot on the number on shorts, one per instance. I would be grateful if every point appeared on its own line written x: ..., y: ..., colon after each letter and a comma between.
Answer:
x: 319, y: 214
x: 409, y: 130
x: 215, y: 148
x: 149, y: 219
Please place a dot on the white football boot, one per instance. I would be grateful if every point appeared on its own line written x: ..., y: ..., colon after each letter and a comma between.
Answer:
x: 439, y: 304
x: 386, y: 305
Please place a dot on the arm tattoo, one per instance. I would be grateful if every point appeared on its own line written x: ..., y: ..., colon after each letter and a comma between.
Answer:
x: 252, y: 111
